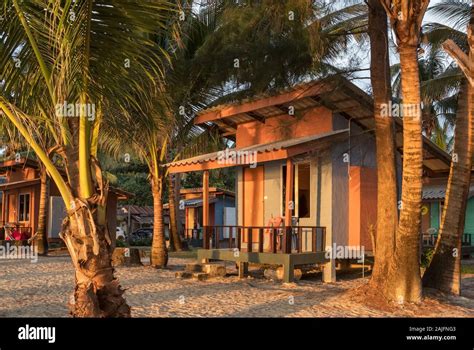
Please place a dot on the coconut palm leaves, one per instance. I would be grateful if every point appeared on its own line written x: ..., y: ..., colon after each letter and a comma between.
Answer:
x: 64, y: 53
x: 64, y: 63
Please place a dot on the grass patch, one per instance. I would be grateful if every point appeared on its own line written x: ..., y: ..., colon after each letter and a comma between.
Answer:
x: 467, y: 269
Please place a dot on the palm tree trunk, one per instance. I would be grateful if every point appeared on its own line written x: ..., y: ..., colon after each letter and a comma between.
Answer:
x: 174, y: 234
x: 97, y: 291
x: 403, y: 279
x: 387, y: 210
x: 41, y: 240
x: 444, y: 271
x: 159, y: 252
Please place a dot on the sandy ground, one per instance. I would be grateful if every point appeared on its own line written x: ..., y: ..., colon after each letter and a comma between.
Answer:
x: 43, y: 290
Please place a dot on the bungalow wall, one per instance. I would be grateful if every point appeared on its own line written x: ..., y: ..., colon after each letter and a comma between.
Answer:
x: 320, y: 192
x: 55, y: 206
x: 343, y: 182
x: 312, y: 122
x: 431, y: 218
x: 222, y: 202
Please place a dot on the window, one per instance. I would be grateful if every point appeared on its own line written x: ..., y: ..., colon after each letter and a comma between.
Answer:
x: 302, y: 187
x: 24, y: 207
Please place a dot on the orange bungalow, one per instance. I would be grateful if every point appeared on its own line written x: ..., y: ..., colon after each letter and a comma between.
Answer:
x: 306, y: 176
x: 20, y: 193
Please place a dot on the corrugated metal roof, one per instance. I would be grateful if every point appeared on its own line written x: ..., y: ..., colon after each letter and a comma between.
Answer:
x: 136, y: 210
x: 197, y: 202
x: 439, y: 192
x: 268, y: 147
x: 143, y: 219
x: 335, y: 93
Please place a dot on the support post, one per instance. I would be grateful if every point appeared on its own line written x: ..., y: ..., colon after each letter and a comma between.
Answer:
x: 205, y: 212
x: 205, y: 198
x: 289, y: 192
x: 288, y: 270
x: 329, y: 269
x: 243, y: 269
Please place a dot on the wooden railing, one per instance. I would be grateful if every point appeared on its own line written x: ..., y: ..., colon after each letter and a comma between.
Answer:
x: 264, y: 239
x: 429, y: 239
x: 193, y: 233
x: 23, y: 229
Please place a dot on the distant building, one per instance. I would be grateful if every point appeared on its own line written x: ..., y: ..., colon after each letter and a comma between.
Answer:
x: 140, y: 217
x: 20, y: 195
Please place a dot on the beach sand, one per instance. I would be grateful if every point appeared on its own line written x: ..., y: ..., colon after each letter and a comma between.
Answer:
x: 43, y: 289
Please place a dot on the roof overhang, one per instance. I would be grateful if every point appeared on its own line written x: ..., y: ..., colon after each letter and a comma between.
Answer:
x: 336, y: 94
x: 19, y: 184
x: 20, y: 163
x: 257, y: 154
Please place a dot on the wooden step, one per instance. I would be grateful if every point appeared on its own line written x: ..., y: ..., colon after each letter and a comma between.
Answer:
x: 183, y: 274
x: 200, y: 276
x: 193, y: 267
x: 214, y: 270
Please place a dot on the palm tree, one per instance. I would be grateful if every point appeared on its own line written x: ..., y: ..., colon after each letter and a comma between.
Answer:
x: 387, y: 210
x: 86, y: 54
x: 444, y: 271
x: 403, y: 282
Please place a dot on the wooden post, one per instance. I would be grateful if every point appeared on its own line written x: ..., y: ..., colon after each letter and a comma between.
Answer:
x: 205, y: 239
x: 260, y: 240
x: 289, y: 191
x: 287, y: 240
x: 5, y: 205
x: 205, y: 209
x: 249, y: 240
x: 314, y: 239
x: 239, y: 238
x: 299, y: 239
x: 243, y: 269
x: 288, y: 207
x: 274, y: 240
x: 205, y: 198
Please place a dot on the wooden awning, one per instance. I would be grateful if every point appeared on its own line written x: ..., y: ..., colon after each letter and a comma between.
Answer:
x: 264, y: 153
x: 18, y: 184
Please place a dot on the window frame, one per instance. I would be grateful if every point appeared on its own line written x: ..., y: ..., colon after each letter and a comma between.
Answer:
x: 26, y: 209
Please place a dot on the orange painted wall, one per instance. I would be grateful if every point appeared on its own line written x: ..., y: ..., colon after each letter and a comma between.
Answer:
x: 21, y: 174
x: 362, y: 205
x: 315, y: 121
x: 253, y: 199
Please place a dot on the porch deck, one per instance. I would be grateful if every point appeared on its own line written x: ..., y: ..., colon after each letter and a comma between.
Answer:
x: 285, y: 246
x: 467, y: 247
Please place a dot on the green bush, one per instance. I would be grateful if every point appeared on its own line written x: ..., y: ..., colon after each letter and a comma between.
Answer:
x: 141, y: 242
x: 121, y: 243
x: 426, y: 257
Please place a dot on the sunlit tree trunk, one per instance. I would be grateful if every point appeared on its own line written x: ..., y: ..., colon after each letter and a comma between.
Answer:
x: 174, y: 234
x: 387, y: 210
x: 444, y: 271
x: 159, y: 252
x: 40, y: 238
x: 403, y: 281
x: 85, y: 232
